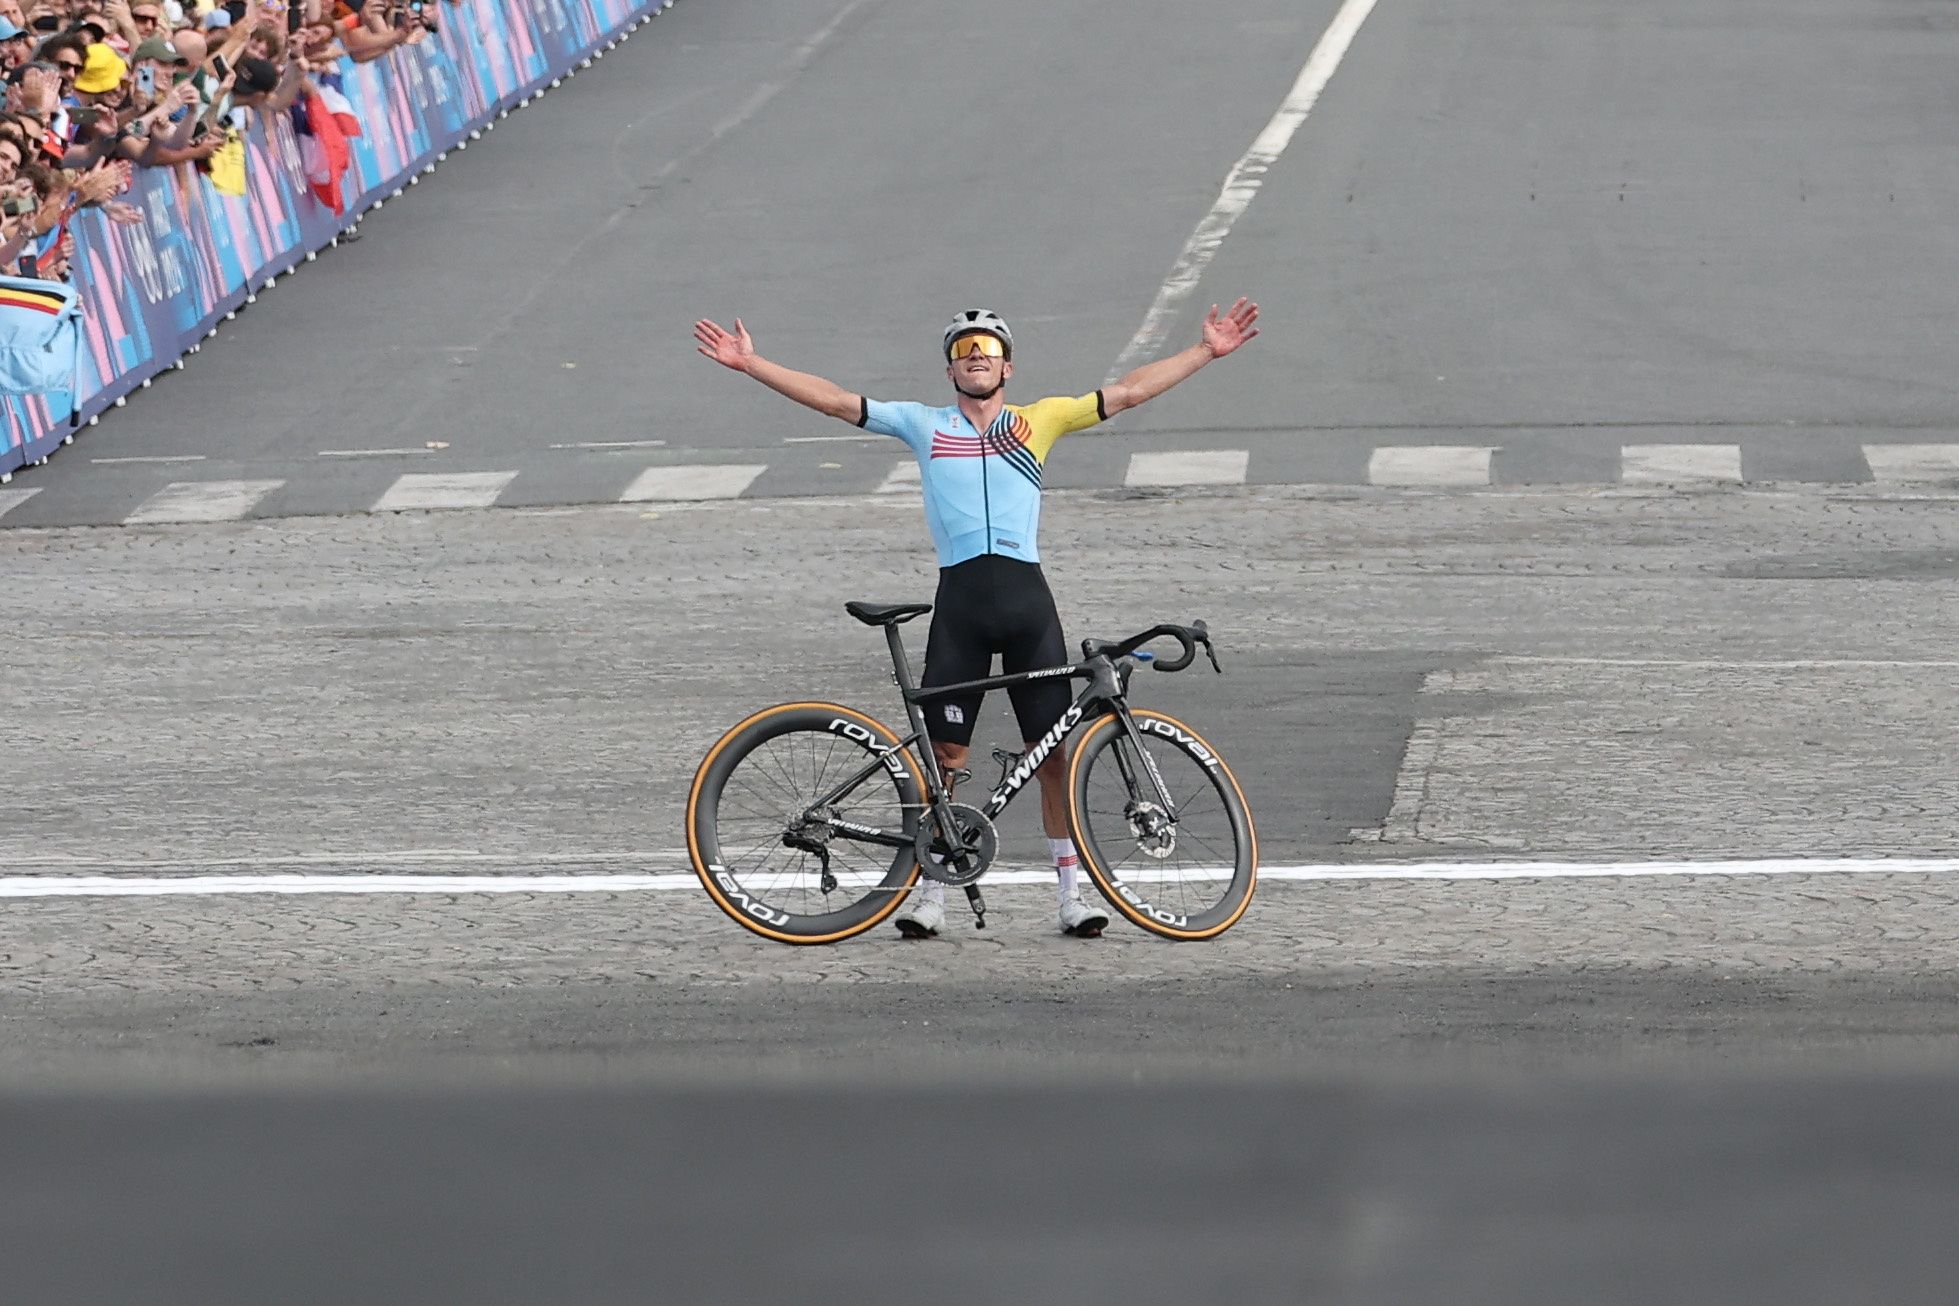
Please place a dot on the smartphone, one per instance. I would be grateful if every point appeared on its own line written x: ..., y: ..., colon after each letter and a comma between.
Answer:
x: 220, y: 67
x: 146, y: 79
x: 295, y: 17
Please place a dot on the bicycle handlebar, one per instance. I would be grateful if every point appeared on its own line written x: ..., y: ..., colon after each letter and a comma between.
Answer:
x: 1189, y: 637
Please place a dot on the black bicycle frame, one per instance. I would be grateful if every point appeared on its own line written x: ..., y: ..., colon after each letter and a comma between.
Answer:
x: 1106, y: 686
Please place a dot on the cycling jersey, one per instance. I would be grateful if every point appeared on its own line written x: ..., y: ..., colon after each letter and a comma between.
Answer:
x: 982, y: 488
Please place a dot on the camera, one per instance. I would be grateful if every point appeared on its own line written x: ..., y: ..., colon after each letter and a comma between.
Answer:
x: 15, y: 206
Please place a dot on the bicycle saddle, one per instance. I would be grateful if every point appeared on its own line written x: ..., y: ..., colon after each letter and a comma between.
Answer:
x: 885, y: 614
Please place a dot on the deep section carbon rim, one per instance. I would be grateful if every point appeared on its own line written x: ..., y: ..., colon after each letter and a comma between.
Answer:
x: 1185, y: 871
x: 757, y: 787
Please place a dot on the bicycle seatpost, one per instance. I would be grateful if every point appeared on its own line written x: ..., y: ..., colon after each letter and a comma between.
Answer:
x: 900, y: 671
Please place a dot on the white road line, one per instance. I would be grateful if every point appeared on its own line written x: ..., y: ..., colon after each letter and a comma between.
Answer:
x: 1679, y: 464
x: 687, y: 484
x: 1440, y: 464
x: 373, y: 453
x: 444, y: 490
x: 833, y: 439
x: 1720, y: 664
x: 111, y: 886
x: 905, y: 476
x: 1242, y: 182
x: 200, y: 501
x: 1913, y: 462
x: 153, y: 458
x: 12, y: 499
x: 1188, y: 467
x: 612, y: 444
x: 385, y: 857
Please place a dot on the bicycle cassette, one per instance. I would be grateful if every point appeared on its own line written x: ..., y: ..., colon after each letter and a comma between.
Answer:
x: 978, y: 842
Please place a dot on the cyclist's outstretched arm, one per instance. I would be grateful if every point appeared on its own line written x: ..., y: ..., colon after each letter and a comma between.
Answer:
x: 1221, y: 336
x: 735, y: 350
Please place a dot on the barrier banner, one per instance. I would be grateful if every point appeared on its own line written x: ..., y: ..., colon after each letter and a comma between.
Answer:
x: 152, y: 290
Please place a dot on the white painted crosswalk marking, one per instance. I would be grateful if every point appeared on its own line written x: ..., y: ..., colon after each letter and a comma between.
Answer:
x: 11, y: 499
x: 1189, y: 467
x: 1432, y: 464
x: 444, y: 490
x: 1913, y: 462
x: 1679, y: 464
x: 905, y: 476
x: 686, y: 484
x: 200, y: 501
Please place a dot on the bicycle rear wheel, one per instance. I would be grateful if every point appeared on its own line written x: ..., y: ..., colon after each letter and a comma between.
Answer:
x: 752, y: 795
x: 1185, y: 872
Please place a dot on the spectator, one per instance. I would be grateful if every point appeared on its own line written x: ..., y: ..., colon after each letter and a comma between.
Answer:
x: 15, y: 44
x: 69, y: 55
x: 260, y: 85
x: 118, y: 83
x: 190, y: 43
x: 153, y: 68
x: 146, y: 18
x: 100, y: 81
x: 268, y: 43
x: 36, y: 99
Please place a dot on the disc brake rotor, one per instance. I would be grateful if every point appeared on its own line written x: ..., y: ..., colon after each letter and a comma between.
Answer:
x: 1155, y: 833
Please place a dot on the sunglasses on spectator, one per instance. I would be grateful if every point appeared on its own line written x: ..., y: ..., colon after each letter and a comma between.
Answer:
x: 967, y: 346
x: 146, y: 15
x: 70, y: 68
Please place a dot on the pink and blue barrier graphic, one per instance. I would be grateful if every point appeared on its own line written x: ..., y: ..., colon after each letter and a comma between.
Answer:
x: 152, y: 290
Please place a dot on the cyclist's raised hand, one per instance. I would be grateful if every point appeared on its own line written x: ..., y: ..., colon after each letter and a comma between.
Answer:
x: 733, y: 351
x: 1224, y: 334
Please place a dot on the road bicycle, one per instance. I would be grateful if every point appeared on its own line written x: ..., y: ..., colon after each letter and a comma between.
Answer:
x: 810, y: 822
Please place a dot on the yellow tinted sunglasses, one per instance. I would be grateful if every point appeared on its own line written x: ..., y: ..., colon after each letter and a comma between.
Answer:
x: 977, y: 343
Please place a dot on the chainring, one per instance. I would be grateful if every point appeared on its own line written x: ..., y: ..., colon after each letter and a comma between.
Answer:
x: 976, y: 835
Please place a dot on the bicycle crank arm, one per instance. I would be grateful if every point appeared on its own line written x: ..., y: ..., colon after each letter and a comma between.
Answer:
x: 979, y: 906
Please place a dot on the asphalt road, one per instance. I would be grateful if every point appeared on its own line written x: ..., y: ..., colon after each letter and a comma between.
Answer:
x: 1701, y: 1087
x: 1511, y: 229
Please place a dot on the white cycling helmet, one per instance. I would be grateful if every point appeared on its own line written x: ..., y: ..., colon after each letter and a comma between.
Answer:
x: 978, y: 319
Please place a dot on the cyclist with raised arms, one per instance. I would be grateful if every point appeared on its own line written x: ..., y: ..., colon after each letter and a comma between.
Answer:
x: 980, y: 462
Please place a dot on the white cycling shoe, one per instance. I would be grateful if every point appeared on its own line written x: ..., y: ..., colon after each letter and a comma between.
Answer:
x: 923, y: 915
x: 1081, y: 920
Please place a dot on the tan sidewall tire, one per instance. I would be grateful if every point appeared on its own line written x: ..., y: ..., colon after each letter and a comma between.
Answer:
x: 694, y: 853
x: 1105, y: 883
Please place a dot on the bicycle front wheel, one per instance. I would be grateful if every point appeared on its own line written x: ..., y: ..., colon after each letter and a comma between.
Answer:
x: 1185, y: 870
x: 785, y: 782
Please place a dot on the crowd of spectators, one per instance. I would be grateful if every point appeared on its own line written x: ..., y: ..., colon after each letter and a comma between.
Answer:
x: 98, y: 88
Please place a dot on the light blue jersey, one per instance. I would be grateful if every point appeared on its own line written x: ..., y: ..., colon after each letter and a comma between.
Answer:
x: 983, y: 488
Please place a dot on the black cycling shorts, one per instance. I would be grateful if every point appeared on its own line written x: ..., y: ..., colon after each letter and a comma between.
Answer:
x: 989, y: 605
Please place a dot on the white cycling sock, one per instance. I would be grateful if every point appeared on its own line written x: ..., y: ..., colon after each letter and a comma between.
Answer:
x: 1065, y: 866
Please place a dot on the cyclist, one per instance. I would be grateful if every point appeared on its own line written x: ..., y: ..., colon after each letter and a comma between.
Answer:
x: 980, y: 462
